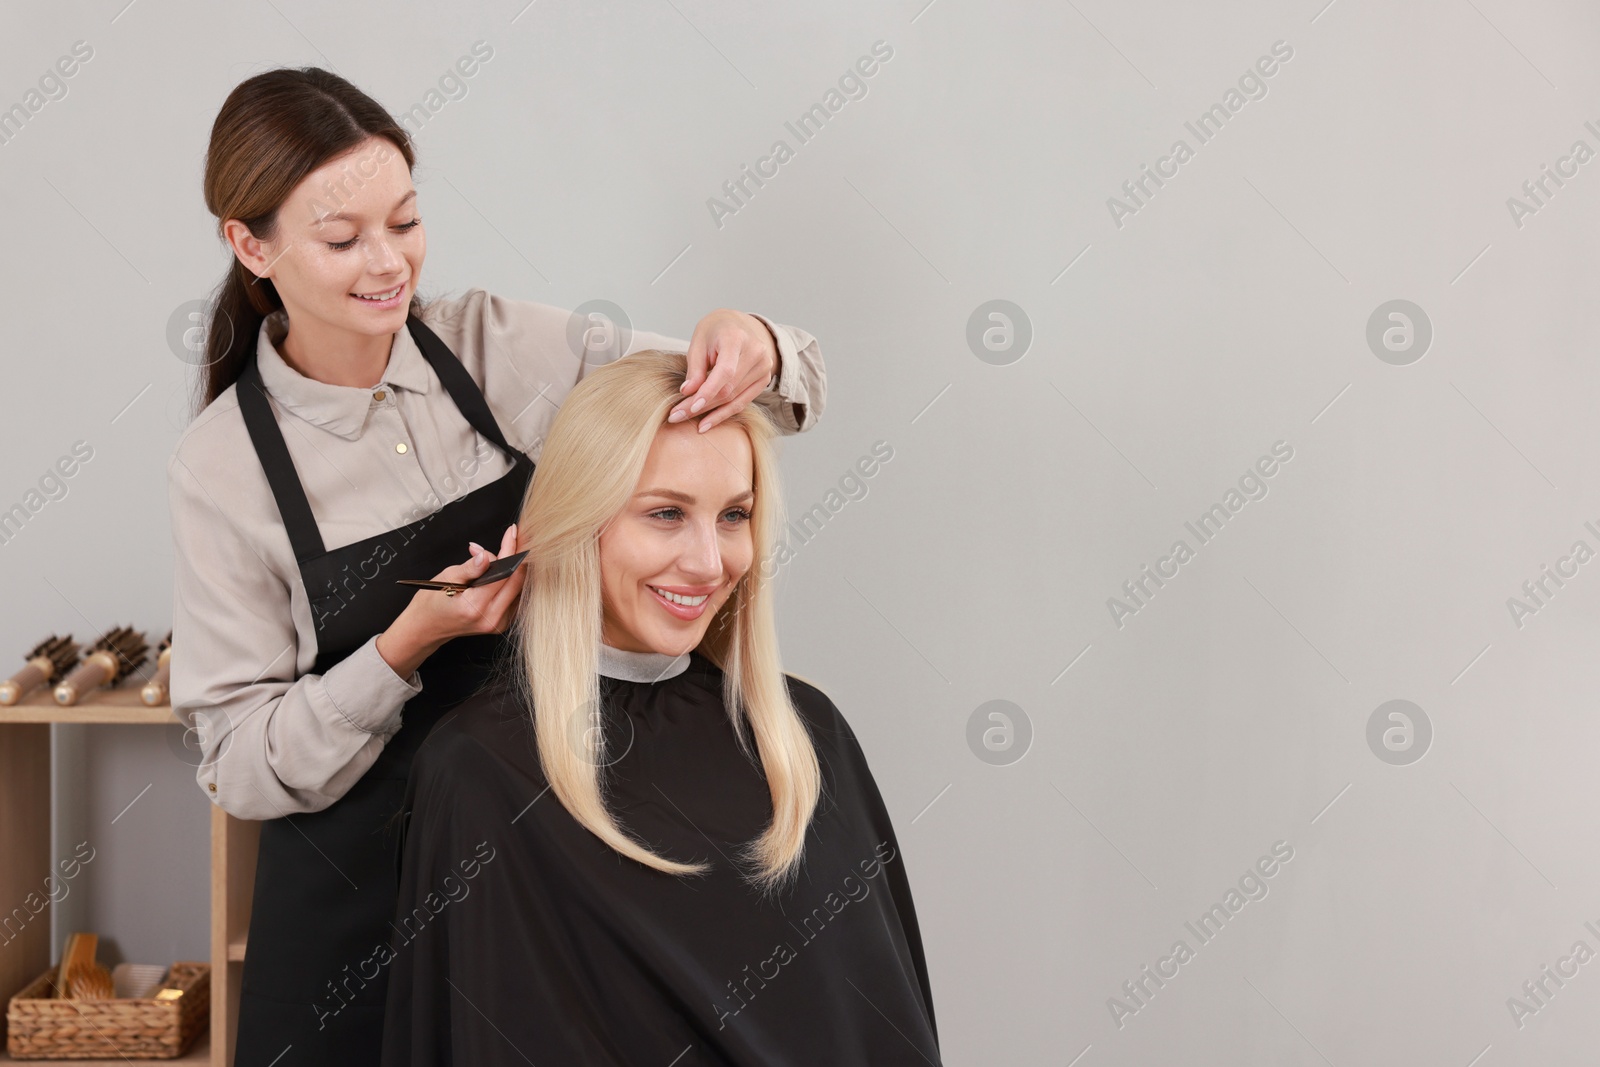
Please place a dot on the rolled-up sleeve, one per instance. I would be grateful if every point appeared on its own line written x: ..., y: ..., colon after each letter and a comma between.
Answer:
x: 796, y: 404
x: 522, y: 328
x: 271, y: 743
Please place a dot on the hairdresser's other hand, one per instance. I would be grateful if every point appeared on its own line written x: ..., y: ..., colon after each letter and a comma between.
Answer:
x: 432, y: 617
x: 732, y: 357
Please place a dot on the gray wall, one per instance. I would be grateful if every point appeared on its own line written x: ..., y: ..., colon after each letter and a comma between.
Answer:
x: 1146, y: 761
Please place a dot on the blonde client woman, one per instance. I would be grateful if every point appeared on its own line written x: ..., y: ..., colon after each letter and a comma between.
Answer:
x: 644, y: 843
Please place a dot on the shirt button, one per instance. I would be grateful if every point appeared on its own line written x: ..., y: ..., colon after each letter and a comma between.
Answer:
x: 379, y: 395
x: 211, y: 786
x: 400, y: 448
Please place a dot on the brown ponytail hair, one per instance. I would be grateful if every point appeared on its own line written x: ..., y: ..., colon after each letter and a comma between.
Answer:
x: 273, y: 130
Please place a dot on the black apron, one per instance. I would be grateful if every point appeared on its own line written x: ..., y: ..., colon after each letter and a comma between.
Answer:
x: 314, y: 973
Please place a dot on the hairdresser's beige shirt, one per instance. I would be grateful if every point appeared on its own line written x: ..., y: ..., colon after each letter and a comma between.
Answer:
x: 276, y: 739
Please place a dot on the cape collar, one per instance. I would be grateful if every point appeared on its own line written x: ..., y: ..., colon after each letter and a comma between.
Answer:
x: 645, y: 667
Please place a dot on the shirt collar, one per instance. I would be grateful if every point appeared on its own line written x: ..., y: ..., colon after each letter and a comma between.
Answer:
x: 339, y: 409
x: 640, y: 666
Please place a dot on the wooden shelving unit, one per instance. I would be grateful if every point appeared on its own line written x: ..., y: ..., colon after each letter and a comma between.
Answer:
x: 25, y: 846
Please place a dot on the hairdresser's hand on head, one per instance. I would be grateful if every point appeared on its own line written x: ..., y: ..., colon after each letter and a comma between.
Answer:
x: 432, y: 617
x: 732, y: 357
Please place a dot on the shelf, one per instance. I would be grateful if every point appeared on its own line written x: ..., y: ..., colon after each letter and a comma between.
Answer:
x: 25, y: 791
x: 199, y: 1052
x: 105, y: 706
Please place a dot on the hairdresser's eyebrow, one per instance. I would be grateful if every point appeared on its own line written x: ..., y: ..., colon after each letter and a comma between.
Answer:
x: 342, y: 217
x: 685, y: 498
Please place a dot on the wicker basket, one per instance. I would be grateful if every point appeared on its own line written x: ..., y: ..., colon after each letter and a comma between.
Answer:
x: 162, y: 1026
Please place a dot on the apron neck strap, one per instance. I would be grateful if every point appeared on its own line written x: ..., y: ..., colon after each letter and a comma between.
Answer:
x: 293, y: 506
x: 265, y: 434
x: 462, y: 389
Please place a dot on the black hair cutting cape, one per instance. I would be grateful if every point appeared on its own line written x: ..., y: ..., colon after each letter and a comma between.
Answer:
x: 521, y: 938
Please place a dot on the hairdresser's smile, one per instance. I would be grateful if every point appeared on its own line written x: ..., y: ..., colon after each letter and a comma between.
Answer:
x: 389, y: 298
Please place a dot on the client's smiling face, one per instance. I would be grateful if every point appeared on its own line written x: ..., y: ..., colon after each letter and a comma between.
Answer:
x: 672, y: 556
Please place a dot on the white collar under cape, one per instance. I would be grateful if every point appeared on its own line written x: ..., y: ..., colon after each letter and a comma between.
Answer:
x: 640, y: 666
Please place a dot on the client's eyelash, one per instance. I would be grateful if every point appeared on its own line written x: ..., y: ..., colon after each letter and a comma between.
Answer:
x: 743, y: 513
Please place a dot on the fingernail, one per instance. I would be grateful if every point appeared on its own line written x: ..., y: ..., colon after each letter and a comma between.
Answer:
x: 477, y: 549
x: 697, y: 405
x: 678, y: 416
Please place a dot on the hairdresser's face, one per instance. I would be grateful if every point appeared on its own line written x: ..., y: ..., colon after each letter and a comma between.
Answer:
x: 348, y: 234
x: 685, y: 531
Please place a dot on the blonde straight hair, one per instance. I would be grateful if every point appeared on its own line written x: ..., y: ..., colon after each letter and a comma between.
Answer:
x: 588, y: 470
